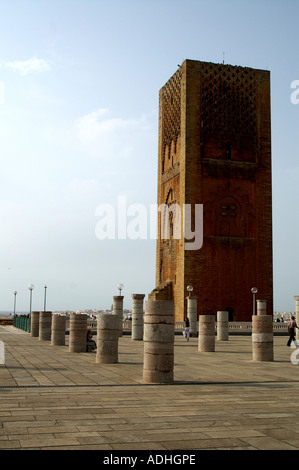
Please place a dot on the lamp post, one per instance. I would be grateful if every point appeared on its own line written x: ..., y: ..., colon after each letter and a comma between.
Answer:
x: 31, y: 287
x: 15, y: 302
x: 253, y: 291
x: 118, y: 308
x: 120, y: 288
x: 189, y: 289
x: 192, y: 311
x: 45, y: 298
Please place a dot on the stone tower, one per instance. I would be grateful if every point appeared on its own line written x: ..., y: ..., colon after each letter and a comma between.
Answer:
x: 215, y: 150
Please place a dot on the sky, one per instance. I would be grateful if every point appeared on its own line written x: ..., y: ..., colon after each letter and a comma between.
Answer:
x: 79, y: 98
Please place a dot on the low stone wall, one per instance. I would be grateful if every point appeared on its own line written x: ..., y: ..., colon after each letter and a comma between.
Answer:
x: 241, y: 328
x: 234, y: 328
x: 6, y: 322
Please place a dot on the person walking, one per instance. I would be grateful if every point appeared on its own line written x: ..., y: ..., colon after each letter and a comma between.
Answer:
x: 187, y: 329
x: 291, y: 330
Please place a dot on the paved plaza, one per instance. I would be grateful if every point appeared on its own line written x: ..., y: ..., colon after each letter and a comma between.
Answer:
x: 52, y: 399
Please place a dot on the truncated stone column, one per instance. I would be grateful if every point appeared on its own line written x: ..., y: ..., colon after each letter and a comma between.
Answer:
x: 222, y: 326
x: 45, y: 323
x: 296, y: 297
x: 58, y: 329
x: 107, y: 338
x: 137, y: 316
x: 262, y: 338
x: 206, y: 333
x: 261, y: 308
x: 192, y: 314
x: 158, y: 341
x: 119, y: 311
x: 34, y: 324
x: 78, y: 332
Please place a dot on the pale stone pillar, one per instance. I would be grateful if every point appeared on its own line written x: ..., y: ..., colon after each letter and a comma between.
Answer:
x: 34, y: 324
x: 262, y: 338
x: 296, y: 297
x: 78, y: 332
x: 192, y: 314
x: 107, y: 338
x: 119, y: 311
x: 222, y: 326
x: 45, y: 322
x: 261, y: 307
x: 206, y: 333
x: 58, y: 329
x: 137, y: 316
x: 158, y: 341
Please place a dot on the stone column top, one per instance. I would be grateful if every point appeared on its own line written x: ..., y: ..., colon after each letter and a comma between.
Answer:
x: 296, y: 297
x: 118, y: 297
x: 137, y: 296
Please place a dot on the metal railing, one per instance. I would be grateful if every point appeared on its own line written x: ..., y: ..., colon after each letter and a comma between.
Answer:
x: 22, y: 322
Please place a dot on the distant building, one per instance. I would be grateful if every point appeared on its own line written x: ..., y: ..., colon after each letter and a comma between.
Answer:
x: 215, y: 150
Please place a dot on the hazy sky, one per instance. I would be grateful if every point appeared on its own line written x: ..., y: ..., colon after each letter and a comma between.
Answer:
x: 79, y: 85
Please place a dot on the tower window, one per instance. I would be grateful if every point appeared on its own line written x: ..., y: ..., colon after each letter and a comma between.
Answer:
x: 228, y: 151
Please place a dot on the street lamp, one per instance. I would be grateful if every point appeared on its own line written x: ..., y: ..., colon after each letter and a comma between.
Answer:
x: 15, y: 301
x: 31, y: 287
x: 253, y: 291
x: 189, y: 289
x: 120, y: 288
x: 45, y: 298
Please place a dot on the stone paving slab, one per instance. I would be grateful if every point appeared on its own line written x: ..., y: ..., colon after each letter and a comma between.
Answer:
x: 52, y: 399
